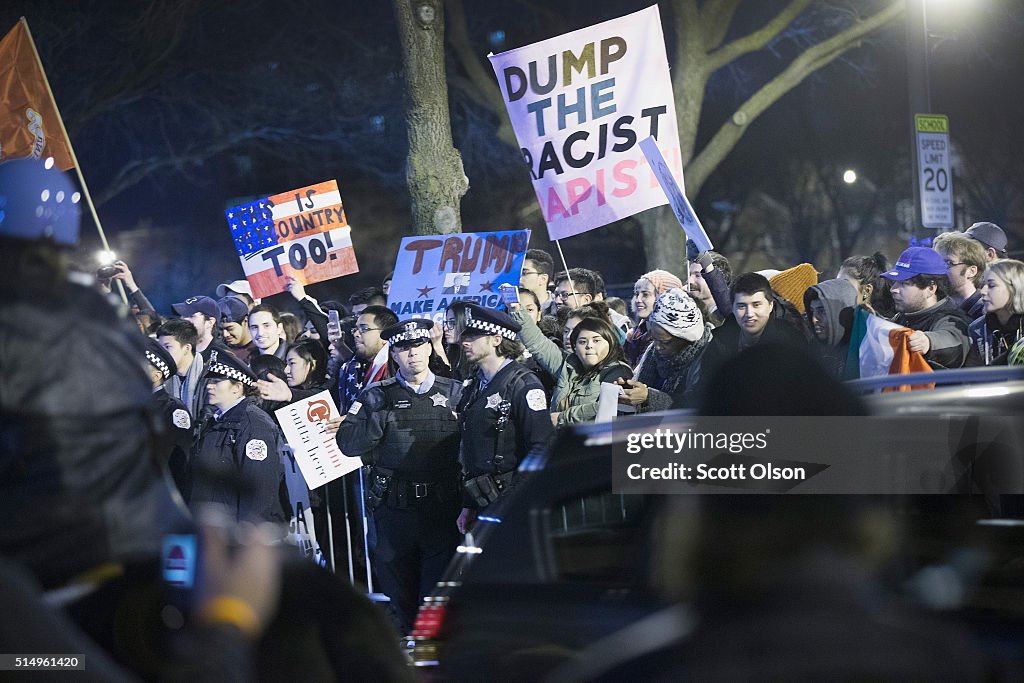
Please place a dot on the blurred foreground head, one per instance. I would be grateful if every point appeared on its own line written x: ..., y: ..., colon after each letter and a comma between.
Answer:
x: 772, y: 379
x: 77, y: 485
x: 38, y: 201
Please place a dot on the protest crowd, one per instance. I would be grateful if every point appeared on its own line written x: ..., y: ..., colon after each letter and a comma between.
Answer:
x: 441, y: 409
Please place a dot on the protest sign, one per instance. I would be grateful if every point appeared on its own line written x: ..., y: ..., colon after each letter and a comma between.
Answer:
x: 433, y: 271
x: 301, y: 233
x: 317, y: 453
x: 579, y: 103
x: 681, y: 207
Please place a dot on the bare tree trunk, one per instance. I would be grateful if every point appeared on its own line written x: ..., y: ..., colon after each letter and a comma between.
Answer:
x: 434, y: 172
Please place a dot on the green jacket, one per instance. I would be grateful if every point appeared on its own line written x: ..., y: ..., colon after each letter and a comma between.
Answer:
x: 576, y: 395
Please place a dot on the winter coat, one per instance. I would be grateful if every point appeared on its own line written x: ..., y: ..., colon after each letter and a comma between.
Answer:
x: 577, y: 392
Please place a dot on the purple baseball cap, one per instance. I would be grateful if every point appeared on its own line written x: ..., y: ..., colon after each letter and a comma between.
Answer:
x: 916, y: 261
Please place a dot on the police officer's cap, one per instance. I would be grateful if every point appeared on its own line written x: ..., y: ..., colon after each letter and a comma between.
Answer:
x: 408, y: 332
x: 480, y: 320
x: 226, y: 366
x: 160, y: 358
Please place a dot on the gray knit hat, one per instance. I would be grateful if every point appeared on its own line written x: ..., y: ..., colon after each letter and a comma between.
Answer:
x: 677, y: 313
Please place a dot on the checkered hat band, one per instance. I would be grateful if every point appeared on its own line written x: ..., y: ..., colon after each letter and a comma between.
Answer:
x: 490, y: 328
x: 227, y: 371
x: 158, y: 363
x: 409, y: 335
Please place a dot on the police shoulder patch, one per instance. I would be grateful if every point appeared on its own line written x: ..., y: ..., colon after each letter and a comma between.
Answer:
x: 536, y: 399
x: 356, y: 406
x: 256, y: 449
x: 181, y: 419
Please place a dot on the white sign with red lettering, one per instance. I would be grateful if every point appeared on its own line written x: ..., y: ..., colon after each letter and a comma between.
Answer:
x: 317, y: 453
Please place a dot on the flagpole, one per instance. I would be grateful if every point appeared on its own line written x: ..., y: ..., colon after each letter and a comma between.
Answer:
x: 572, y: 285
x: 74, y: 157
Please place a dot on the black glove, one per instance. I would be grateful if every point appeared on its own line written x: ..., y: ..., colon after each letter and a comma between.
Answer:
x: 692, y: 252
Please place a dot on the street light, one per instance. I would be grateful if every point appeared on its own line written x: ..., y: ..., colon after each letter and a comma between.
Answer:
x: 849, y: 176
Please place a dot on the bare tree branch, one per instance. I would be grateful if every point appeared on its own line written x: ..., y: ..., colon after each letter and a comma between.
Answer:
x: 715, y: 17
x: 812, y: 59
x: 753, y: 42
x: 485, y: 90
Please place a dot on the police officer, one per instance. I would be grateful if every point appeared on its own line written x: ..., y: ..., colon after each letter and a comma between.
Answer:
x: 176, y: 428
x: 503, y: 414
x: 406, y: 429
x: 237, y: 462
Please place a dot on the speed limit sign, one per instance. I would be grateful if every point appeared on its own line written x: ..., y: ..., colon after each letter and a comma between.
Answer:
x: 934, y: 180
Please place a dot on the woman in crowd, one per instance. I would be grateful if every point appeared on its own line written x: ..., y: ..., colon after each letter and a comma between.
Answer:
x: 645, y: 292
x: 595, y: 309
x: 865, y: 273
x: 305, y: 373
x: 1002, y: 324
x: 596, y: 357
x: 454, y: 324
x: 668, y: 373
x: 236, y: 462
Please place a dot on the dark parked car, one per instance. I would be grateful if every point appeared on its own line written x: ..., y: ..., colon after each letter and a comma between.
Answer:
x: 565, y: 563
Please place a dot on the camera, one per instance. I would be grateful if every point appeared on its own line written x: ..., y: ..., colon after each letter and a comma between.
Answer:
x: 107, y: 272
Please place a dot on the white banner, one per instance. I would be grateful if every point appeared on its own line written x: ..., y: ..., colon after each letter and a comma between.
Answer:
x: 579, y: 105
x: 317, y: 453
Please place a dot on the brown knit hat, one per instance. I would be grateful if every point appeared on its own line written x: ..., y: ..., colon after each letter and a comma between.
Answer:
x: 793, y: 282
x: 662, y: 281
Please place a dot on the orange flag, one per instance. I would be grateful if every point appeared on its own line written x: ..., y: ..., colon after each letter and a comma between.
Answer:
x: 30, y: 125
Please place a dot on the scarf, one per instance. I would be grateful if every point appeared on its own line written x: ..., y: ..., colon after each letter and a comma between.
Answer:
x: 665, y: 374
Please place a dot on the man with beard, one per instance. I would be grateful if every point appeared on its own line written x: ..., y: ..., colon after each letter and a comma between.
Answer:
x: 920, y: 291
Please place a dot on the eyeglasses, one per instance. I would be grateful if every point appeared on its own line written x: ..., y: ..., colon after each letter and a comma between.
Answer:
x: 362, y: 329
x: 565, y: 295
x: 530, y: 272
x: 950, y: 264
x: 448, y: 324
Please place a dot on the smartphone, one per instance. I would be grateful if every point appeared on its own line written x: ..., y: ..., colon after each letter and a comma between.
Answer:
x: 333, y: 326
x: 179, y: 567
x: 509, y: 294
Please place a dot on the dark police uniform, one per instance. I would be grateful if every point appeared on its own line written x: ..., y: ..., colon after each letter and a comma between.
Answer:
x: 411, y: 440
x: 237, y: 460
x: 501, y: 421
x: 175, y: 430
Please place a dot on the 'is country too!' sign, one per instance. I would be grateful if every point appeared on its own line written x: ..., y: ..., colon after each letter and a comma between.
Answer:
x: 301, y: 233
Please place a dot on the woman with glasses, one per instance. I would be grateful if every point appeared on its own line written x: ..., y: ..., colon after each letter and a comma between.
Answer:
x: 453, y: 325
x: 995, y: 333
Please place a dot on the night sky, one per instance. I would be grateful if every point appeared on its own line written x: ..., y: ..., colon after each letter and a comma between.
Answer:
x: 209, y: 105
